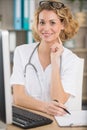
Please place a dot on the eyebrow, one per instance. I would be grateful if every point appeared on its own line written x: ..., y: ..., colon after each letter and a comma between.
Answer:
x: 50, y: 19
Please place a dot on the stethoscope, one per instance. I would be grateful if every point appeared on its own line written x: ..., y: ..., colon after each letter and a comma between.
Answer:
x: 30, y: 64
x: 35, y: 69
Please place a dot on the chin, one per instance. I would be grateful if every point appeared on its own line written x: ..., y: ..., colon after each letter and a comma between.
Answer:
x: 47, y: 40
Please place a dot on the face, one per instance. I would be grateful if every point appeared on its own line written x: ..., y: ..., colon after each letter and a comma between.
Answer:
x: 49, y: 26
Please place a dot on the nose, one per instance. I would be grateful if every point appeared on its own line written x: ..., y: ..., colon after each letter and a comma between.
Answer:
x: 46, y: 27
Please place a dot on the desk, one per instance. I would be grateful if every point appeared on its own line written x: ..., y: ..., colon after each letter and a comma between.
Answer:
x: 52, y: 126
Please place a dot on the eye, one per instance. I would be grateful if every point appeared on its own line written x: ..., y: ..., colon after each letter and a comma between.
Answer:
x: 41, y: 22
x: 52, y: 22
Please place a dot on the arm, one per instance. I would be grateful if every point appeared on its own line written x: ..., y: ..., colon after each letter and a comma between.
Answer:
x: 57, y: 91
x: 22, y: 99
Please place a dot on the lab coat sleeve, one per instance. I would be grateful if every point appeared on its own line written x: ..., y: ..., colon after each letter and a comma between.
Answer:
x: 69, y: 73
x: 17, y: 76
x: 69, y: 78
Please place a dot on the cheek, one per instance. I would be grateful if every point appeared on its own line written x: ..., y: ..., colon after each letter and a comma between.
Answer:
x: 39, y: 29
x: 59, y: 28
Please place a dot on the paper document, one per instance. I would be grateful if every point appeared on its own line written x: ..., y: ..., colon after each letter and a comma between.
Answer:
x: 77, y: 118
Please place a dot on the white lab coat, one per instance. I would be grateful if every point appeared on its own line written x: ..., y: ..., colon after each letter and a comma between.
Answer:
x: 39, y: 86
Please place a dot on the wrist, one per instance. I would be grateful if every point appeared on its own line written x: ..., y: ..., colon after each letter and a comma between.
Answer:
x: 55, y: 62
x: 44, y: 107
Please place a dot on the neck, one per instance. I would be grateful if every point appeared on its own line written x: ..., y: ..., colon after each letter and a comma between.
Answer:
x: 44, y: 55
x: 44, y: 48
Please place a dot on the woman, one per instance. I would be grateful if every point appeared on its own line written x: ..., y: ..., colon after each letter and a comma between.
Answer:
x: 43, y: 76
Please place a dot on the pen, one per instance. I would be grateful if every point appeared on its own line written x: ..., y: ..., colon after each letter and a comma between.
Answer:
x: 63, y: 108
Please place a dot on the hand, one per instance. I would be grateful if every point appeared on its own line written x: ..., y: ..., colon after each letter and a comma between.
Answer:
x: 54, y: 108
x: 56, y: 50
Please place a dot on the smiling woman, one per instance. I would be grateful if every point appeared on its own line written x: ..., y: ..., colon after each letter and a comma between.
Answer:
x: 63, y: 13
x: 45, y: 71
x: 49, y: 26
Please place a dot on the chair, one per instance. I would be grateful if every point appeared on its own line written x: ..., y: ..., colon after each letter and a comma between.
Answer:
x: 76, y: 103
x: 80, y: 70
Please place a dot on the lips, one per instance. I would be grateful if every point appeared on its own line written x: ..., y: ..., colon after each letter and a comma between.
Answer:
x: 46, y: 34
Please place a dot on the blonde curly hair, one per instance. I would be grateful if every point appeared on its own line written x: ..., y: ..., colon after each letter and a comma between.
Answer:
x: 70, y: 24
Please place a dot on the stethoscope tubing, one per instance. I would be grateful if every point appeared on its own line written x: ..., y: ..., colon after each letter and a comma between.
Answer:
x: 29, y: 61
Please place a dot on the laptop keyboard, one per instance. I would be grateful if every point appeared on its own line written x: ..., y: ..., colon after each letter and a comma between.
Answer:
x: 27, y: 119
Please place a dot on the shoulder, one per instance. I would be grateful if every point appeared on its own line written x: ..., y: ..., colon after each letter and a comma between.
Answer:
x: 69, y: 58
x: 68, y: 53
x: 23, y: 52
x: 25, y: 49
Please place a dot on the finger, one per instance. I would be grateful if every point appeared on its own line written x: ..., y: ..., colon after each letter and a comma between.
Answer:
x: 58, y: 111
x: 55, y: 108
x: 55, y: 111
x: 58, y: 104
x: 52, y: 112
x: 61, y: 105
x: 52, y: 49
x: 59, y: 40
x: 56, y: 49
